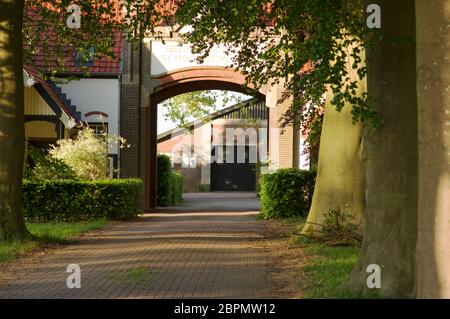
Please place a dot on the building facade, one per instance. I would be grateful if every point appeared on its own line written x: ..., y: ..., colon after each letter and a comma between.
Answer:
x: 221, y: 152
x: 74, y: 98
x: 121, y: 96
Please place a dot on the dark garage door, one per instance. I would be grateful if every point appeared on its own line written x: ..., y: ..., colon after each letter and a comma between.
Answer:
x: 233, y: 176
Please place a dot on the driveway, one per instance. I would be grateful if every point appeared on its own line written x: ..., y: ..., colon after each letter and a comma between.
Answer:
x: 218, y: 201
x: 209, y: 247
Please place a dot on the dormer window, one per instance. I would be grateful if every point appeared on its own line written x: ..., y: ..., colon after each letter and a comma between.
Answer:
x: 84, y: 57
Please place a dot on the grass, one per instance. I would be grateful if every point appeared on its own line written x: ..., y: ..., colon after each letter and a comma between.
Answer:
x: 59, y: 232
x: 11, y: 250
x: 47, y: 233
x: 326, y: 267
x: 140, y: 276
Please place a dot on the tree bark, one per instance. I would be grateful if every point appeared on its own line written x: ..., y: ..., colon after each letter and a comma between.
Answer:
x: 390, y: 217
x: 340, y: 172
x: 340, y: 177
x: 12, y: 140
x: 433, y: 82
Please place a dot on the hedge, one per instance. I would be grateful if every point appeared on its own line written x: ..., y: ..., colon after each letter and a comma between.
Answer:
x: 177, y: 187
x: 169, y: 183
x: 286, y: 193
x: 71, y: 200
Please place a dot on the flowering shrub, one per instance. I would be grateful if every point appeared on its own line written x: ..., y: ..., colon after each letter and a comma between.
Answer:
x: 87, y: 154
x: 46, y: 167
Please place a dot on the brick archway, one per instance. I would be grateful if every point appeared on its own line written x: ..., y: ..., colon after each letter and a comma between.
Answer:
x: 198, y: 78
x: 174, y: 83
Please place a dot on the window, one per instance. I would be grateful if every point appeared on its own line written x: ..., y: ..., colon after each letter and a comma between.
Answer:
x: 99, y: 128
x: 189, y: 161
x: 84, y: 58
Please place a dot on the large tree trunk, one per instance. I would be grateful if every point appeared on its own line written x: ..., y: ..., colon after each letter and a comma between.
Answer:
x: 390, y: 217
x: 340, y: 172
x: 11, y: 120
x: 433, y: 53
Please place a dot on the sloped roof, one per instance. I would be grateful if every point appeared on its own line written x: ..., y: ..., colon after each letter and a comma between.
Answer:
x: 46, y: 62
x: 101, y: 65
x: 49, y: 93
x: 226, y: 113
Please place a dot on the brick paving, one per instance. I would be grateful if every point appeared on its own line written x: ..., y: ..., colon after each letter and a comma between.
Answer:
x: 163, y: 255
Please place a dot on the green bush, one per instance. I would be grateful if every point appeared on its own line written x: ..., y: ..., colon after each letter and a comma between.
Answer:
x: 177, y: 187
x: 169, y: 183
x: 199, y: 188
x: 164, y: 168
x: 286, y: 193
x: 71, y: 200
x: 46, y: 167
x: 87, y: 154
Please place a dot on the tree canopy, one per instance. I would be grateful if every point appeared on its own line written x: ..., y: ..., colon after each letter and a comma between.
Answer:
x: 197, y: 105
x: 310, y: 43
x: 53, y: 29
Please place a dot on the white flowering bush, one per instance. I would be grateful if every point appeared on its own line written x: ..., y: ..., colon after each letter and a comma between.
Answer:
x: 87, y: 154
x: 48, y: 168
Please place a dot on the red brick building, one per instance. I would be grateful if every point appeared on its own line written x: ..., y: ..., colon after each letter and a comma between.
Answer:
x: 221, y: 152
x: 123, y: 94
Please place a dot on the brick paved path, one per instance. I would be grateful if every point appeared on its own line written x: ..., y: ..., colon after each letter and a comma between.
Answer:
x: 171, y: 255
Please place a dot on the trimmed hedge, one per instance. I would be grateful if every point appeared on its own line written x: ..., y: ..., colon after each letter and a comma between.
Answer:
x: 170, y: 184
x: 71, y: 200
x: 286, y: 193
x: 164, y: 169
x: 177, y: 187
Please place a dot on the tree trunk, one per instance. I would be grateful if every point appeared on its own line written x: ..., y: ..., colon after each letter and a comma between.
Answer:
x: 340, y: 172
x: 11, y: 120
x: 390, y: 217
x: 433, y: 249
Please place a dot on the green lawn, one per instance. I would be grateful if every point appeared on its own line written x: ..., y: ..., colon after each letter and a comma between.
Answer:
x: 325, y: 267
x: 10, y: 250
x: 47, y: 233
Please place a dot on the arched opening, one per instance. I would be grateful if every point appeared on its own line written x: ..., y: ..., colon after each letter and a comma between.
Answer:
x: 197, y: 79
x: 179, y: 82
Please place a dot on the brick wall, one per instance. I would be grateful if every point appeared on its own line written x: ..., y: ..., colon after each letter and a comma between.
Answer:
x: 281, y: 142
x: 137, y: 86
x: 130, y: 127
